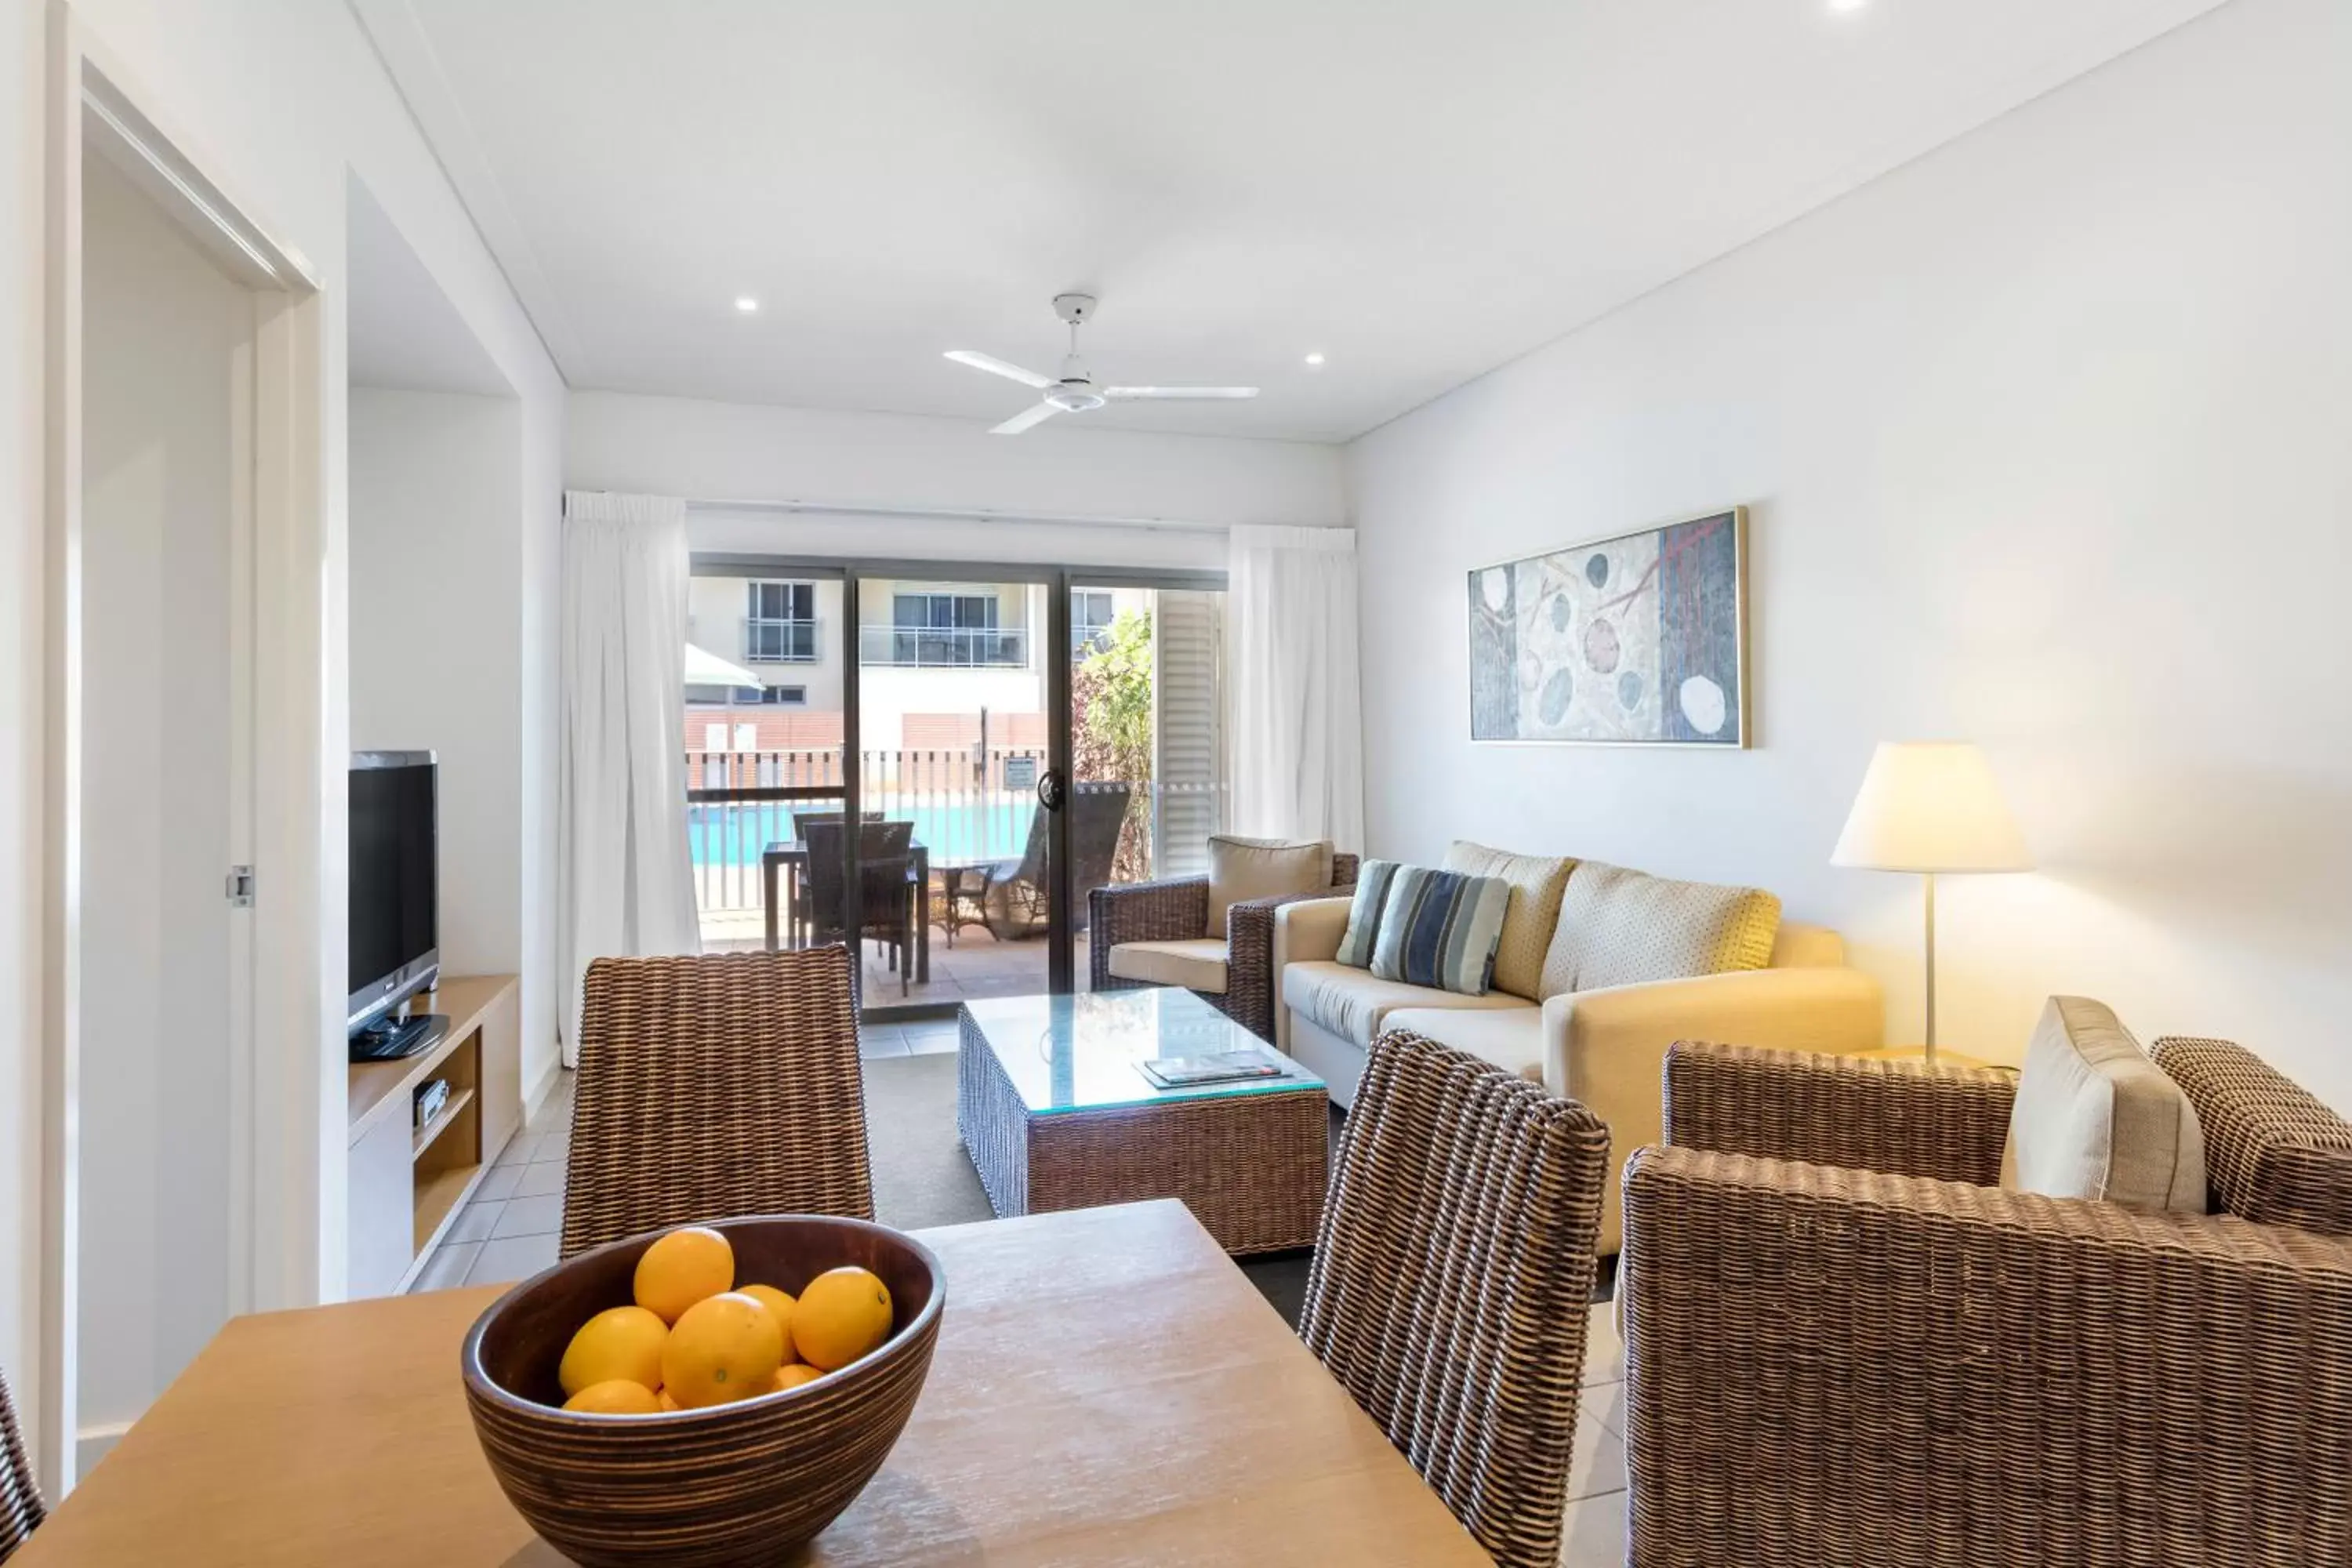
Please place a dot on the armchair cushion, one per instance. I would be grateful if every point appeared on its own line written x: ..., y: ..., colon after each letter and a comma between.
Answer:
x: 1198, y: 964
x: 2273, y: 1154
x: 1242, y: 869
x: 1627, y: 928
x: 2095, y: 1119
x: 1536, y: 884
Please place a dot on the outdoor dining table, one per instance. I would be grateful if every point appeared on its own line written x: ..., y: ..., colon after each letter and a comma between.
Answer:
x: 792, y: 855
x: 1107, y: 1388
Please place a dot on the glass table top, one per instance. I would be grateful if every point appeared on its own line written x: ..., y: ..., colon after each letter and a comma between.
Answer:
x: 1080, y: 1053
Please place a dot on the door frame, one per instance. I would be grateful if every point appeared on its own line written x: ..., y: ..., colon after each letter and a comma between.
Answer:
x: 286, y: 1107
x: 1061, y: 960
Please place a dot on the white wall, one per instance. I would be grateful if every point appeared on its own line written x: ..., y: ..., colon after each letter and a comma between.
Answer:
x: 2048, y: 438
x: 165, y: 330
x: 437, y: 657
x: 735, y: 452
x: 285, y: 102
x: 22, y: 632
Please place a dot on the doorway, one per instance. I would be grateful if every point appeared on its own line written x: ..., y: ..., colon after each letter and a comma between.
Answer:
x: 1003, y: 738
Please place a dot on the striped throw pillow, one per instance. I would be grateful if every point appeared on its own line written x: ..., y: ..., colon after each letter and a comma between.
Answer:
x: 1440, y: 929
x: 1372, y: 878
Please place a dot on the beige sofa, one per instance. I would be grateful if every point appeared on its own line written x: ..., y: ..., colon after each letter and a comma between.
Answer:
x: 1605, y: 1047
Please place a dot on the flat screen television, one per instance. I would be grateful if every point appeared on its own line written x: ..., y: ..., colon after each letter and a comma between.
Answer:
x: 395, y: 883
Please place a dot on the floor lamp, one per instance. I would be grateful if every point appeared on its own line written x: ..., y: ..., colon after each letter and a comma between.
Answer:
x: 1930, y: 807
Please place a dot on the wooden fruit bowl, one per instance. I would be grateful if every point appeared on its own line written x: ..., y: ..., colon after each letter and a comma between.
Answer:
x: 745, y: 1483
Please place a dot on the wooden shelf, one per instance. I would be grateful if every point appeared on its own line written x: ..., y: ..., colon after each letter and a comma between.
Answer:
x: 442, y: 1121
x: 437, y: 1198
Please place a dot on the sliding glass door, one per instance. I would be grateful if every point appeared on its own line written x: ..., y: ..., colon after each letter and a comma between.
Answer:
x: 937, y: 763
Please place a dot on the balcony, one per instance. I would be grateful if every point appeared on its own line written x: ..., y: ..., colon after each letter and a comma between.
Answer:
x: 943, y: 648
x: 780, y: 641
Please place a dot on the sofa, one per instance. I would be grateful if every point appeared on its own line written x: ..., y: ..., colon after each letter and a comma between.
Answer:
x: 1167, y: 933
x: 1599, y: 969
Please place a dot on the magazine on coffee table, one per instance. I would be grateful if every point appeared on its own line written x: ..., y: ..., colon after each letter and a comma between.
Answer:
x: 1215, y: 1066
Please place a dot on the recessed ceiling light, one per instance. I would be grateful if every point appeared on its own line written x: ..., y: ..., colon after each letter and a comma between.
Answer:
x: 746, y: 304
x: 1315, y: 358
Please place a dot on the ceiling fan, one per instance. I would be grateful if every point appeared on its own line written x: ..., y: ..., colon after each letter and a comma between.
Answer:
x: 1075, y: 391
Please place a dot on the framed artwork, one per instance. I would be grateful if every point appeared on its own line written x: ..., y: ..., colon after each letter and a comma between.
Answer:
x: 1635, y: 639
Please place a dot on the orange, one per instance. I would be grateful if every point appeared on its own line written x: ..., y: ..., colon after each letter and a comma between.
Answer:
x: 689, y: 1265
x: 618, y: 1342
x: 780, y: 1307
x: 616, y: 1397
x: 843, y: 1313
x: 725, y: 1347
x: 792, y: 1373
x: 668, y: 1399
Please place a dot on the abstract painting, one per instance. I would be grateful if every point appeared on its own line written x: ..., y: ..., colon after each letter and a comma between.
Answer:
x: 1637, y: 639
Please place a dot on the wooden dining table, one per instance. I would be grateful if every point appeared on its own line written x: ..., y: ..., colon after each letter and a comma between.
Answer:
x: 1109, y: 1388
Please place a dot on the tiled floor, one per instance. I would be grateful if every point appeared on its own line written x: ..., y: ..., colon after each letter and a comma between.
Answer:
x: 508, y: 1232
x: 977, y: 966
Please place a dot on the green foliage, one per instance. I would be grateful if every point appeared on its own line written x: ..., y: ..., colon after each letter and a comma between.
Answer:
x: 1111, y: 692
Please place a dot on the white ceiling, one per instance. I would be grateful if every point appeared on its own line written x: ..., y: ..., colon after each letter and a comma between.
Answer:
x: 404, y: 332
x: 1418, y: 189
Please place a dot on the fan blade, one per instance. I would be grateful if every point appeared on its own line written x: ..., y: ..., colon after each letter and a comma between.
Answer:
x: 1180, y: 392
x: 1025, y: 418
x: 998, y: 367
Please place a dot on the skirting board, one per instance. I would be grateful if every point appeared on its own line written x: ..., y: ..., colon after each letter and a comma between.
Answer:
x: 92, y: 1444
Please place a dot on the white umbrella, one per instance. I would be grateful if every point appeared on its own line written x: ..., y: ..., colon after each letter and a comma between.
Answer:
x: 703, y: 667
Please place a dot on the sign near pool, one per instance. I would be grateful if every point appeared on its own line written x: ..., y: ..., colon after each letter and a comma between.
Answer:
x: 1020, y: 773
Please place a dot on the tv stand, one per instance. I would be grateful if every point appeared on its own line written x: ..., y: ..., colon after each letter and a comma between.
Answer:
x: 390, y: 1039
x: 406, y: 1183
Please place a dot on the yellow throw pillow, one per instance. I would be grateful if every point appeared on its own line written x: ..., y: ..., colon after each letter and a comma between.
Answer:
x: 1241, y: 869
x: 1535, y: 883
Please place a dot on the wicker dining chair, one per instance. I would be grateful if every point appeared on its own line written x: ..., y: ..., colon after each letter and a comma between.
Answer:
x: 1845, y: 1343
x: 1451, y: 1278
x: 21, y: 1509
x: 715, y: 1086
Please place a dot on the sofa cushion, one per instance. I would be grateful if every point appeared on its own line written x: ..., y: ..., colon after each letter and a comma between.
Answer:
x: 1510, y: 1038
x: 1440, y: 928
x: 1351, y: 1003
x: 1628, y: 928
x: 2273, y: 1154
x: 2094, y: 1118
x: 1198, y: 964
x: 1242, y: 869
x: 1365, y: 907
x: 1536, y: 882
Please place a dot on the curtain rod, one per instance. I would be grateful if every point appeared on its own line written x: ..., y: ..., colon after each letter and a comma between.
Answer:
x: 960, y: 514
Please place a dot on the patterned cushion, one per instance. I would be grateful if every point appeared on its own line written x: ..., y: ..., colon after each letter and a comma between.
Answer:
x: 2094, y: 1117
x: 2273, y: 1154
x: 1242, y: 869
x: 1372, y: 878
x: 1439, y: 928
x: 1537, y: 884
x: 1627, y: 928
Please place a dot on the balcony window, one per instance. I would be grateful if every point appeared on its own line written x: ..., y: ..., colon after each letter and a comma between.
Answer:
x: 943, y: 631
x: 1090, y: 618
x: 780, y: 626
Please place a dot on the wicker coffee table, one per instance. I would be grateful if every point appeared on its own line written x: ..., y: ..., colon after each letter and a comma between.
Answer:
x: 1057, y: 1115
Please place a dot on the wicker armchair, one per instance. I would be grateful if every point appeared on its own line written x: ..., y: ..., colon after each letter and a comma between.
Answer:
x: 21, y: 1509
x: 1177, y: 909
x: 1846, y: 1344
x: 721, y: 1085
x: 1449, y: 1286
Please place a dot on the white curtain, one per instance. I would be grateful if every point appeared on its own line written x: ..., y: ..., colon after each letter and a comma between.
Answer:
x: 1295, y: 711
x: 626, y: 878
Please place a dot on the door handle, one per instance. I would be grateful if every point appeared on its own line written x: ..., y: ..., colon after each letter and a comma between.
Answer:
x: 1051, y: 789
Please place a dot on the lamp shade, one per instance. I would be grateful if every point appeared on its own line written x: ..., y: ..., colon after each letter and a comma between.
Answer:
x: 1930, y: 806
